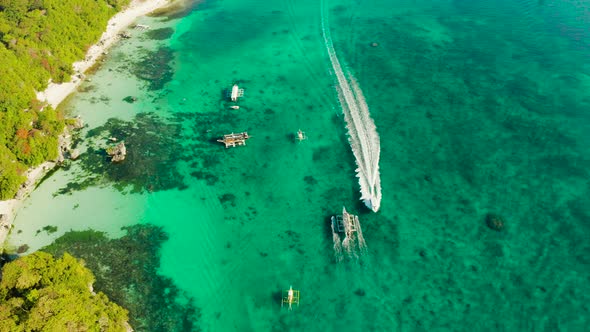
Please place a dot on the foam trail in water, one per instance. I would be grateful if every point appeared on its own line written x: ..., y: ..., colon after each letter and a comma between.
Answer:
x: 361, y: 240
x: 363, y: 136
x: 337, y: 243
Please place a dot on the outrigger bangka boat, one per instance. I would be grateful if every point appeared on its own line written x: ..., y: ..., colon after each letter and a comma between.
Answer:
x: 292, y: 297
x: 235, y: 93
x: 301, y: 135
x: 348, y: 226
x: 234, y: 139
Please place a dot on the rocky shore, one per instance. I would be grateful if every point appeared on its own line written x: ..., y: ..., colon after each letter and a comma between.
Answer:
x: 56, y: 93
x: 34, y: 175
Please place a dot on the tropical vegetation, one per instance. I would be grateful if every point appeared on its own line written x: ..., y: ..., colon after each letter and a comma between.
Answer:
x: 41, y: 293
x: 39, y: 42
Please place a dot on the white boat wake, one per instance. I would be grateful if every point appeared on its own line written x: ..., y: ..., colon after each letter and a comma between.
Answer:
x: 353, y: 243
x: 362, y: 133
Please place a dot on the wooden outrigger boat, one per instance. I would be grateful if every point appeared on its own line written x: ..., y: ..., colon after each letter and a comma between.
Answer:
x: 234, y: 139
x: 349, y: 227
x: 290, y: 297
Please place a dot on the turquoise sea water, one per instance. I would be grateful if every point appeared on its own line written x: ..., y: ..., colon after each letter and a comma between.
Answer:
x: 481, y: 108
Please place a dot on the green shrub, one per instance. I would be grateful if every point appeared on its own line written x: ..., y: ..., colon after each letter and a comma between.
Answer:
x: 39, y: 40
x: 40, y: 293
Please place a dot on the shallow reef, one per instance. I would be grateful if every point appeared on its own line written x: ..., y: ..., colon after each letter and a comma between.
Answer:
x: 126, y: 269
x: 155, y: 148
x: 155, y: 68
x: 160, y: 34
x: 150, y: 163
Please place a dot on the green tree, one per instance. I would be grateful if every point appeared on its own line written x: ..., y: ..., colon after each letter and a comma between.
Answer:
x: 40, y: 293
x: 10, y: 178
x: 39, y: 41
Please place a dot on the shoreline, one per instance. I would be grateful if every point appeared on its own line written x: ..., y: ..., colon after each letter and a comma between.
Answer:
x: 9, y: 207
x: 55, y: 93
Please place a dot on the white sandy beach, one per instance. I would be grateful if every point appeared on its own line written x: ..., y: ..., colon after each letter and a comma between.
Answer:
x: 8, y: 208
x: 56, y: 93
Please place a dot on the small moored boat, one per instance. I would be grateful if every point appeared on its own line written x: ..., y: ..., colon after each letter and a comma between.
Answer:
x: 290, y: 297
x: 234, y: 139
x: 301, y: 135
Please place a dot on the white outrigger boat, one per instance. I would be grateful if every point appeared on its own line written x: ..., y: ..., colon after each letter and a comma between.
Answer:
x: 235, y: 93
x: 301, y: 135
x: 291, y: 298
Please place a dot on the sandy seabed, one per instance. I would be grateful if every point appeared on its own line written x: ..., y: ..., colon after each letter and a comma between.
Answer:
x: 56, y: 93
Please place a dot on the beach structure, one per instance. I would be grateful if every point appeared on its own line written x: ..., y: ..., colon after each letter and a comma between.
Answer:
x: 301, y: 135
x: 236, y: 92
x: 347, y: 226
x: 290, y: 297
x: 234, y: 139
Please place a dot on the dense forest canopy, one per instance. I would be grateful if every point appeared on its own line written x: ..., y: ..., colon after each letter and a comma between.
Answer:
x: 39, y: 41
x: 40, y: 293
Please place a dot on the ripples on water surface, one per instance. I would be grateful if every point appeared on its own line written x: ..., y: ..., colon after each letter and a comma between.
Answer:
x: 482, y: 107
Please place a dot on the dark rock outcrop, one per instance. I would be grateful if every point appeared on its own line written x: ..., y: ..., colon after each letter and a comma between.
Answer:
x: 130, y: 99
x: 77, y: 123
x: 495, y: 222
x: 74, y: 154
x: 117, y: 152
